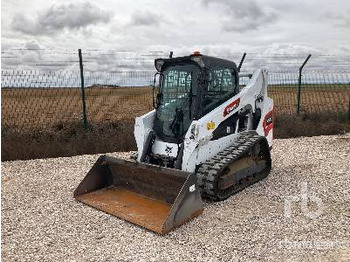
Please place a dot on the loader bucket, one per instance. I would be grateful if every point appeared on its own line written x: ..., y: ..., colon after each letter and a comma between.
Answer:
x: 153, y: 197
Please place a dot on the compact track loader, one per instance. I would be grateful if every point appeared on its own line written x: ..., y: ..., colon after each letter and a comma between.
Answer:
x: 207, y: 137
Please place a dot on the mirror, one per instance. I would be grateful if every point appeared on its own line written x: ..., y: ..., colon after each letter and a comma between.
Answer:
x: 156, y: 93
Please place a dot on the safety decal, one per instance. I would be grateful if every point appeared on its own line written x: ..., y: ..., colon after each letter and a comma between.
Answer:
x: 192, y: 188
x: 210, y: 125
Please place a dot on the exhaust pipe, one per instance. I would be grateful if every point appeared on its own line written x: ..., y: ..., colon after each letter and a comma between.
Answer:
x: 157, y: 198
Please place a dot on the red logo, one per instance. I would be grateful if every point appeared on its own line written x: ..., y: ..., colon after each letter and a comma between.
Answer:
x: 268, y: 122
x: 231, y: 107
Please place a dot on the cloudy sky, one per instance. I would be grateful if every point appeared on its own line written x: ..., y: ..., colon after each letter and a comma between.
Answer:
x: 224, y: 28
x: 250, y: 25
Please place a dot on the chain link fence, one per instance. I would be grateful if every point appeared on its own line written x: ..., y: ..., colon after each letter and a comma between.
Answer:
x: 44, y: 99
x: 50, y: 98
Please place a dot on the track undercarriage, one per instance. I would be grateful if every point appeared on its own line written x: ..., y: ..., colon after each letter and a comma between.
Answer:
x: 238, y: 166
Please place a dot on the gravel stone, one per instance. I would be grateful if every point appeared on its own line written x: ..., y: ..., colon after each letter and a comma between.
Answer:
x: 41, y: 221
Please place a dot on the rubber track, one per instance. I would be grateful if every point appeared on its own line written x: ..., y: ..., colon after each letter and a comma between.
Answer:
x: 209, y: 172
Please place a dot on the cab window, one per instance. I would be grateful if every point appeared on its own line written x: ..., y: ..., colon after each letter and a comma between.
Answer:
x: 221, y: 87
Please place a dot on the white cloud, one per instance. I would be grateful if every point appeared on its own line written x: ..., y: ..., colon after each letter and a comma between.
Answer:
x: 70, y: 16
x: 223, y: 28
x: 142, y: 18
x: 243, y: 16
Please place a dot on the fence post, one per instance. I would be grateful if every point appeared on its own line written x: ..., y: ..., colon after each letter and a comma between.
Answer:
x: 85, y: 122
x: 299, y: 82
x: 349, y: 111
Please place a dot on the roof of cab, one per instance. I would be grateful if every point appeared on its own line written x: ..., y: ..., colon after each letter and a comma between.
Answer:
x: 209, y: 61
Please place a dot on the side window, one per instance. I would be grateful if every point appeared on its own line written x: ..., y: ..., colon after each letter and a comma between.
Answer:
x: 221, y: 86
x: 221, y: 81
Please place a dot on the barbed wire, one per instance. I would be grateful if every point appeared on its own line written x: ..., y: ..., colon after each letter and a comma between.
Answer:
x: 108, y: 60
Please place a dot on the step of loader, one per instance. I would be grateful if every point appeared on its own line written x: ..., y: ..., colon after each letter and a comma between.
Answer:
x: 153, y: 197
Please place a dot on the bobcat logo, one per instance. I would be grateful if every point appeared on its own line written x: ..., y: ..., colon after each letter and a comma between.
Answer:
x: 232, y: 106
x: 168, y: 150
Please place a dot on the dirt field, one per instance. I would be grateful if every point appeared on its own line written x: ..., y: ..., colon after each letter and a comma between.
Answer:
x: 51, y: 107
x: 41, y: 221
x: 313, y: 99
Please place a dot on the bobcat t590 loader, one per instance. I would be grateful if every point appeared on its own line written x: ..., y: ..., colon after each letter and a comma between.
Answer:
x: 205, y: 138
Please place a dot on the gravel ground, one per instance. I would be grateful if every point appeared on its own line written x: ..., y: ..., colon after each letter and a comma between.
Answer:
x: 42, y: 222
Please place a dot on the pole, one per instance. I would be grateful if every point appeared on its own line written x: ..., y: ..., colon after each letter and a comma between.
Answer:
x: 349, y: 112
x: 299, y: 83
x: 241, y: 62
x: 85, y: 122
